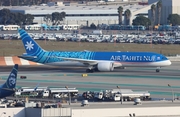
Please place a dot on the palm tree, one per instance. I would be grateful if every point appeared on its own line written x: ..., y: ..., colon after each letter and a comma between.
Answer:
x: 159, y: 7
x: 153, y: 13
x: 1, y: 2
x: 47, y: 19
x: 127, y: 15
x: 120, y: 11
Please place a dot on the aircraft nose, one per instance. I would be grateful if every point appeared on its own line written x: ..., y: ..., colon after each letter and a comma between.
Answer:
x: 168, y: 62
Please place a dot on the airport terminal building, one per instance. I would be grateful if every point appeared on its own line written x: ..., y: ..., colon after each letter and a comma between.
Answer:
x: 96, y: 12
x: 83, y: 14
x: 168, y: 7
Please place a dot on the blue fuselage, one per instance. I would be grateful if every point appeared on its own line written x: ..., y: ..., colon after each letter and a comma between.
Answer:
x: 52, y: 56
x: 4, y: 93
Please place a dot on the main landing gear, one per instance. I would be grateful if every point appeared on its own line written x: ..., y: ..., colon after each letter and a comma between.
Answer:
x: 91, y: 70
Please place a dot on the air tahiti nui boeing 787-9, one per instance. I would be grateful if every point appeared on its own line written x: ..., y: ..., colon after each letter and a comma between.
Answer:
x: 95, y: 61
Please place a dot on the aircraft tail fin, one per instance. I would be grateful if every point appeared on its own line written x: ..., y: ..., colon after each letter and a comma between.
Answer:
x: 11, y: 81
x: 31, y: 47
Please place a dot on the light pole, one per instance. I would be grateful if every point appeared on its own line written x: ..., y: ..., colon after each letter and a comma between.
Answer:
x: 121, y: 94
x: 172, y: 92
x: 69, y: 95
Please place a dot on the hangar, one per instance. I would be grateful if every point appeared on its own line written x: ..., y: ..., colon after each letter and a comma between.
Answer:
x: 83, y: 14
x: 168, y: 7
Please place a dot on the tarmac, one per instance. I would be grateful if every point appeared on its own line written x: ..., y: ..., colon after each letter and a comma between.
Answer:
x: 137, y: 79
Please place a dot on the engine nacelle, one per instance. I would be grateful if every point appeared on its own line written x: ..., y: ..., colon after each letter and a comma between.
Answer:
x: 105, y: 66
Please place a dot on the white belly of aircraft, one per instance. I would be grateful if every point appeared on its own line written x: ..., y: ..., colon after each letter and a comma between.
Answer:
x: 146, y: 64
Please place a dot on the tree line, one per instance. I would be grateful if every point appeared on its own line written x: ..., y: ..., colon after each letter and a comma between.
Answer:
x: 139, y: 20
x: 55, y: 18
x: 156, y: 13
x: 22, y: 2
x: 12, y: 18
x: 7, y: 18
x: 173, y: 19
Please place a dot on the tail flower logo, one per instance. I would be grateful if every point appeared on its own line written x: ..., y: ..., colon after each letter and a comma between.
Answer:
x: 29, y: 45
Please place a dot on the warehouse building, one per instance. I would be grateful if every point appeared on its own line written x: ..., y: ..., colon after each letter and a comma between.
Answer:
x: 168, y: 7
x: 83, y: 14
x: 97, y: 13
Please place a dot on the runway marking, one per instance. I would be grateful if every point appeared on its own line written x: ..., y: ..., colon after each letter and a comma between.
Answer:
x: 2, y: 61
x: 25, y: 62
x: 164, y: 93
x: 11, y: 60
x: 94, y: 83
x: 16, y: 60
x: 32, y: 63
x: 123, y: 76
x: 91, y: 86
x: 137, y: 76
x: 103, y: 83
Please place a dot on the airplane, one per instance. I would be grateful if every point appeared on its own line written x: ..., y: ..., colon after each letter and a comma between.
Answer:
x: 95, y: 61
x: 7, y: 89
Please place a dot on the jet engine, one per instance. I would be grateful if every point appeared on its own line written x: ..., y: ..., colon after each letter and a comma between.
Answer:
x: 105, y: 66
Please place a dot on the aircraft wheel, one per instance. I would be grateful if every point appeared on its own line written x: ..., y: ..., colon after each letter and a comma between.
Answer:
x: 92, y: 70
x: 96, y: 69
x: 89, y: 70
x: 157, y: 70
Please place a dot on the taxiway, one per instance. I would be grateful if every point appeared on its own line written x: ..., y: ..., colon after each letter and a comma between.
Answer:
x: 145, y: 79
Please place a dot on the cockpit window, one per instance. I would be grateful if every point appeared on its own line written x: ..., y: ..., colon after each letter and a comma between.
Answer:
x: 163, y: 58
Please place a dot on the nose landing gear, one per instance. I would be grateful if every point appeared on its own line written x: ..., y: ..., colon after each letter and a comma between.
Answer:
x: 158, y: 69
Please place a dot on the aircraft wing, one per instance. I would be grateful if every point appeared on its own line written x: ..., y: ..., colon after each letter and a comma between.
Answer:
x: 86, y: 61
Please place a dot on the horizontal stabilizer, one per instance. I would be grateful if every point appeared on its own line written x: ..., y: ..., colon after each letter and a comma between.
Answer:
x: 27, y: 57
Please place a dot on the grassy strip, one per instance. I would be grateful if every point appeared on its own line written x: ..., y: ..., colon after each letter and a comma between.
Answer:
x: 15, y: 47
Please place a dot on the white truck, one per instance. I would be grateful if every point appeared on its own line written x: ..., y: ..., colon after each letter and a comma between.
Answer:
x: 59, y: 92
x: 98, y: 95
x: 28, y: 91
x: 126, y: 94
